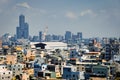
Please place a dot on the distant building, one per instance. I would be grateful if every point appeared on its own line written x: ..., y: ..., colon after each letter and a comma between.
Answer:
x: 40, y: 36
x: 50, y: 45
x: 79, y: 35
x: 68, y: 35
x: 35, y: 39
x: 0, y: 43
x: 23, y: 30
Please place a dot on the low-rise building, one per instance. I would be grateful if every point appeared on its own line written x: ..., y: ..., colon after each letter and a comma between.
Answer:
x: 2, y: 59
x: 4, y: 73
x: 16, y: 68
x: 70, y: 72
x: 11, y: 59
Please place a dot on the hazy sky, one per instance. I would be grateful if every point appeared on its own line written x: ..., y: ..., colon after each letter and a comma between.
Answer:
x: 95, y: 18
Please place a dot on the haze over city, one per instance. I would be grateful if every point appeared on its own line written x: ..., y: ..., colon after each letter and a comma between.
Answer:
x: 92, y: 18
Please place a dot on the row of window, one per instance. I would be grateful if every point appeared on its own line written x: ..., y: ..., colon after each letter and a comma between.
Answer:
x: 8, y: 77
x: 4, y: 73
x: 74, y: 76
x: 16, y: 69
x: 4, y: 67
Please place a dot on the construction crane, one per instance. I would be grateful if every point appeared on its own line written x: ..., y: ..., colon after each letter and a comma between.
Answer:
x: 45, y: 33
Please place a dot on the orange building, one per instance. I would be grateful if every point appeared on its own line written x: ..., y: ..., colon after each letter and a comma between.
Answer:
x: 11, y: 59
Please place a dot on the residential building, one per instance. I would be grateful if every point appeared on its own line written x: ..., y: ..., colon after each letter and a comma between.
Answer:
x: 16, y: 68
x: 11, y: 59
x: 2, y: 59
x: 4, y: 73
x: 71, y: 73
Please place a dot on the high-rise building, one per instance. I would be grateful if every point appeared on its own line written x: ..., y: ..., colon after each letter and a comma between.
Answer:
x: 79, y: 35
x: 22, y: 31
x: 40, y: 36
x: 68, y: 35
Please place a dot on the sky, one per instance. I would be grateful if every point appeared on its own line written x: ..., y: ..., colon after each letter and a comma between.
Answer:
x: 94, y: 18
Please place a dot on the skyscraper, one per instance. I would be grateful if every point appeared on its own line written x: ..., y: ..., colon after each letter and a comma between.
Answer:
x: 79, y: 35
x: 40, y: 36
x: 22, y: 30
x: 68, y: 35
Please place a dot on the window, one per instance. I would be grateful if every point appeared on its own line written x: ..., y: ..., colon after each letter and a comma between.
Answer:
x: 8, y: 76
x: 3, y: 73
x: 66, y: 76
x: 77, y: 68
x: 18, y: 56
x: 9, y: 72
x: 68, y: 70
x: 82, y: 68
x: 73, y: 75
x: 18, y: 69
x: 2, y: 77
x: 13, y: 68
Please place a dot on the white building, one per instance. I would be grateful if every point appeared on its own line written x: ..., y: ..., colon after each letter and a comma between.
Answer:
x: 116, y: 58
x: 4, y: 73
x: 16, y: 69
x: 51, y: 45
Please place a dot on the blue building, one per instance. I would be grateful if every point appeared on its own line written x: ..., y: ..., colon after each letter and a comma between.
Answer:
x: 71, y: 73
x: 68, y: 36
x: 40, y: 36
x: 37, y: 68
x: 79, y: 35
x: 22, y: 31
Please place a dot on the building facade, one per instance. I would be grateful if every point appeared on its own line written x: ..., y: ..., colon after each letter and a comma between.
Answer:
x: 4, y: 73
x: 22, y: 30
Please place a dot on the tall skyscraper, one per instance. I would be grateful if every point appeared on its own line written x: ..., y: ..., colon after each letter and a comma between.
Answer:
x: 79, y: 35
x: 68, y: 35
x: 22, y: 30
x: 40, y: 36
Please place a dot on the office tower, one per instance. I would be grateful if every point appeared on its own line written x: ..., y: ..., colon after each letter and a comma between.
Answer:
x: 40, y: 36
x: 35, y: 38
x: 79, y: 35
x: 68, y: 35
x: 22, y: 31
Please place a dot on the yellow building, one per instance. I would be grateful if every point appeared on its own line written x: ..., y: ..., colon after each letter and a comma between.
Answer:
x: 30, y: 55
x: 58, y: 75
x: 30, y: 71
x: 18, y: 48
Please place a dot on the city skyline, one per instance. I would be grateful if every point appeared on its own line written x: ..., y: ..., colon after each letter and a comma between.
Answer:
x: 92, y: 18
